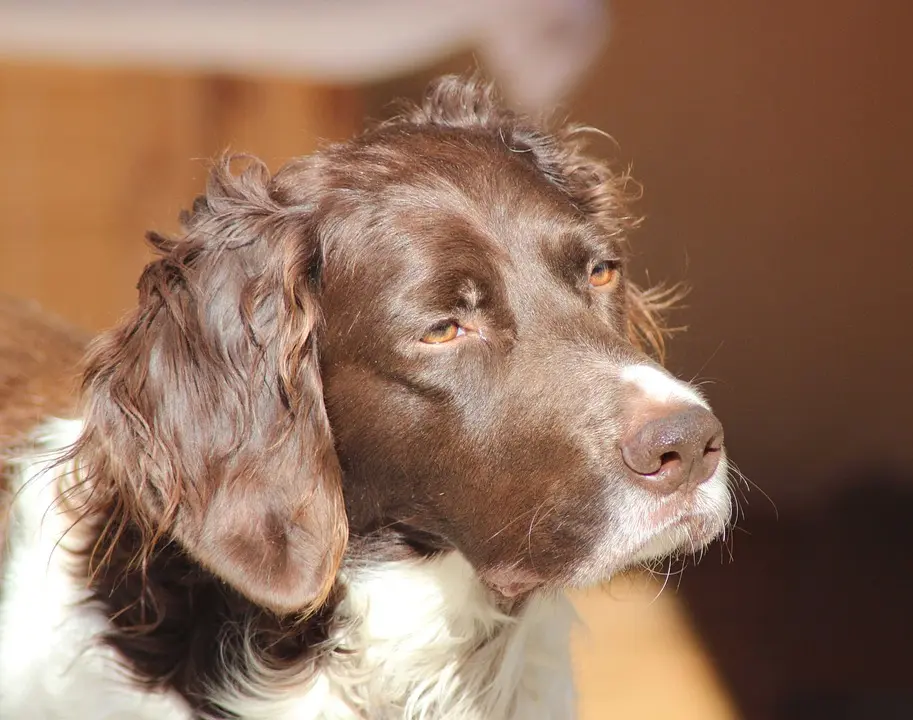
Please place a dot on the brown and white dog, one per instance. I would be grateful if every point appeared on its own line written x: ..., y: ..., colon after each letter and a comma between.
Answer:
x: 372, y: 415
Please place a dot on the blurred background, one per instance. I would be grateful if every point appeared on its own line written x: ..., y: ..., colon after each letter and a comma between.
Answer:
x: 774, y: 141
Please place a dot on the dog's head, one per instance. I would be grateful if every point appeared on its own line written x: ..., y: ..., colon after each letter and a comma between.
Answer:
x: 426, y: 331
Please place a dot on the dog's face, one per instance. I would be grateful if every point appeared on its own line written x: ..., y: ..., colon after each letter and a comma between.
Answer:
x: 479, y: 376
x: 427, y: 331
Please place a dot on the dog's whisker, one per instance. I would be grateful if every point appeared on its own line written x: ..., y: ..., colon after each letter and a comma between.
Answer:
x: 512, y: 522
x: 749, y: 485
x: 708, y: 360
x: 665, y: 582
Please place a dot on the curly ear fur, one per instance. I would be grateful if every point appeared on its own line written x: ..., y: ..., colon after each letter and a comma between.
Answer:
x: 467, y: 104
x: 205, y: 418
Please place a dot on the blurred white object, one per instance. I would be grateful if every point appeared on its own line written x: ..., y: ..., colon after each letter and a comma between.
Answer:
x: 536, y: 49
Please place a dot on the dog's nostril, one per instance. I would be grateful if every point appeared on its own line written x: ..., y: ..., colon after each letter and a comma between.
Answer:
x: 715, y: 443
x: 668, y: 458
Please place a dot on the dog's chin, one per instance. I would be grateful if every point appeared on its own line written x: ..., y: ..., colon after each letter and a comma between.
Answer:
x: 672, y: 536
x: 687, y: 536
x: 511, y: 581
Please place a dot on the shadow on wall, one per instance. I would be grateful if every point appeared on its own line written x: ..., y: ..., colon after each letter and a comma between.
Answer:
x: 812, y: 619
x: 773, y: 141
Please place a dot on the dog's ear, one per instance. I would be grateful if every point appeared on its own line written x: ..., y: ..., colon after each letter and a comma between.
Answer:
x: 204, y: 412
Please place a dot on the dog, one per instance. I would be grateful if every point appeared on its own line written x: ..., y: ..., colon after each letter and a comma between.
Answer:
x: 372, y: 416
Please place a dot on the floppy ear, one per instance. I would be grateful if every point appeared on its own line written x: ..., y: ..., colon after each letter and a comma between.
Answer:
x: 205, y: 419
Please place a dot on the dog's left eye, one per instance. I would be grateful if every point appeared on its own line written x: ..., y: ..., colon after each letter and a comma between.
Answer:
x: 443, y: 333
x: 604, y: 274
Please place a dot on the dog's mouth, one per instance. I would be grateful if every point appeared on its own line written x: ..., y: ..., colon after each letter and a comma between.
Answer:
x: 688, y: 534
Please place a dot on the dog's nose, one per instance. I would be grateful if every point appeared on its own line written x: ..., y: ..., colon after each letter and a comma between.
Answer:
x: 678, y: 450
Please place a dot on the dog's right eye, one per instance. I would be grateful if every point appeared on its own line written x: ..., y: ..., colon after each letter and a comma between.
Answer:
x: 604, y: 274
x: 443, y: 333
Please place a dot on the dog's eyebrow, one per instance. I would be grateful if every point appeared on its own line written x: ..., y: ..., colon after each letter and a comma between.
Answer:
x: 461, y: 290
x: 588, y: 237
x: 575, y: 247
x: 471, y: 294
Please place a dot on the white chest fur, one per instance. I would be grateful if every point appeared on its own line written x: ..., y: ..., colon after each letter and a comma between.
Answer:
x: 424, y: 641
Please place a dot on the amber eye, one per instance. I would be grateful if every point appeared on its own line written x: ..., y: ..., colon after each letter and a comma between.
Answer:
x: 604, y: 273
x: 445, y: 332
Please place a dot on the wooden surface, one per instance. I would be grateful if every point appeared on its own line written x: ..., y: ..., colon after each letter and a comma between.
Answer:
x: 92, y: 159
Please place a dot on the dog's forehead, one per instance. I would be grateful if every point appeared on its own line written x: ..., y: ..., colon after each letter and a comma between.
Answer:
x: 442, y: 208
x: 503, y: 207
x: 454, y: 242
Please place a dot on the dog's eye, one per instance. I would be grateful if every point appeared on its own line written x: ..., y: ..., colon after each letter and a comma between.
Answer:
x: 604, y: 274
x: 445, y: 332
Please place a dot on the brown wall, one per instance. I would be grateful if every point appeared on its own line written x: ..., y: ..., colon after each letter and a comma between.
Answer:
x: 91, y: 159
x: 775, y: 143
x: 774, y: 140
